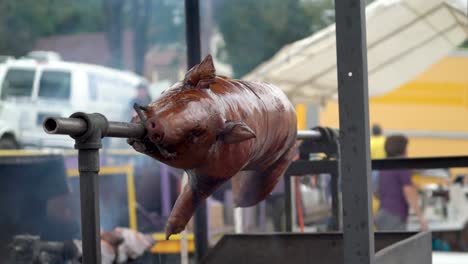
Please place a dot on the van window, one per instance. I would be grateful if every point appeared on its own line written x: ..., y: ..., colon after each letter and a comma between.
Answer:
x: 111, y: 90
x: 54, y: 84
x: 18, y: 83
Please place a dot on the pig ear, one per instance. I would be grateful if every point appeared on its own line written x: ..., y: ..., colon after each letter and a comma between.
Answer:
x: 201, y: 75
x: 235, y: 132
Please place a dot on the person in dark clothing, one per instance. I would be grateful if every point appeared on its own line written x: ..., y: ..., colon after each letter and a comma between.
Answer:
x: 143, y: 98
x: 396, y: 191
x: 377, y: 141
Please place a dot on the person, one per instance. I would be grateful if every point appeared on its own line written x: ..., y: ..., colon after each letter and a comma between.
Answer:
x: 142, y: 98
x: 377, y: 142
x: 397, y: 192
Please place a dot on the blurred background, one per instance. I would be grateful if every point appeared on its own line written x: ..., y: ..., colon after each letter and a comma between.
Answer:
x: 58, y: 57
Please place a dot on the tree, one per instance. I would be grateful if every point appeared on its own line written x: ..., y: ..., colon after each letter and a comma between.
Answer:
x: 320, y: 13
x: 464, y: 45
x: 22, y: 22
x: 15, y: 17
x: 253, y: 30
x: 113, y: 12
x: 167, y: 22
x: 71, y: 17
x: 140, y: 12
x: 153, y: 22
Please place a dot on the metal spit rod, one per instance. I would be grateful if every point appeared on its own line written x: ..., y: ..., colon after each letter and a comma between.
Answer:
x: 309, y: 134
x: 77, y: 126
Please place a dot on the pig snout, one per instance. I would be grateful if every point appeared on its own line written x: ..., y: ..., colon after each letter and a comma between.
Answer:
x: 155, y: 131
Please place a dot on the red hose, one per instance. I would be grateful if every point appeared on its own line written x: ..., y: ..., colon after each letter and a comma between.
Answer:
x: 300, y: 215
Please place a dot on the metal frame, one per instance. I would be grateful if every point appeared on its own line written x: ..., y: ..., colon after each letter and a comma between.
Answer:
x: 353, y: 100
x: 302, y: 167
x: 192, y: 27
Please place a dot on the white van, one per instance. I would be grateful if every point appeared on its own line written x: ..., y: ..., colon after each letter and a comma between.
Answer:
x: 32, y: 90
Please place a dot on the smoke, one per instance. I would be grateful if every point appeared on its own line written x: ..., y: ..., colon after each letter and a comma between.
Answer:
x: 34, y: 199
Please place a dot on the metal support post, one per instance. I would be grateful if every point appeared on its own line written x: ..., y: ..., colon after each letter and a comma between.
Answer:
x: 288, y: 202
x: 353, y: 99
x: 88, y: 166
x: 335, y: 225
x: 88, y: 145
x: 192, y: 23
x: 337, y: 202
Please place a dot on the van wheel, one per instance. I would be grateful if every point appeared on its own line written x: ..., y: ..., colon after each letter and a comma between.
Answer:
x: 7, y: 142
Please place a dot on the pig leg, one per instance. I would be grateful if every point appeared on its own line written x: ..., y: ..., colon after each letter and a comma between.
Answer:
x: 182, y: 211
x: 196, y: 191
x: 251, y: 187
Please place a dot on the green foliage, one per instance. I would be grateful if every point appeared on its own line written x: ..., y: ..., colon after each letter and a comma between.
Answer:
x: 320, y: 13
x: 464, y: 45
x: 15, y: 19
x: 23, y: 21
x: 167, y: 22
x: 153, y: 22
x: 73, y: 16
x: 253, y: 30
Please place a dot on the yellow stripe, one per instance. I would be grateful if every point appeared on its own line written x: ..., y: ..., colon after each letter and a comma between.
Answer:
x: 301, y: 112
x: 172, y: 245
x: 25, y: 153
x: 123, y: 152
x: 131, y: 199
x: 70, y: 152
x: 102, y: 171
x: 65, y: 152
x: 419, y: 93
x: 421, y: 100
x: 161, y: 236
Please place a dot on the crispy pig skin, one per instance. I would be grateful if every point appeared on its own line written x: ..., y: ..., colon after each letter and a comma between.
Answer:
x: 217, y: 129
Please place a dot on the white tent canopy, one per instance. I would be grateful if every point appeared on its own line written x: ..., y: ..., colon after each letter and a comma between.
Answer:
x: 404, y: 38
